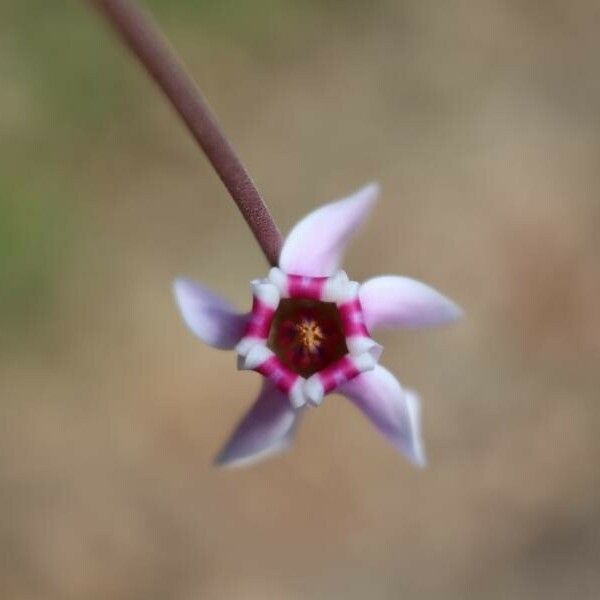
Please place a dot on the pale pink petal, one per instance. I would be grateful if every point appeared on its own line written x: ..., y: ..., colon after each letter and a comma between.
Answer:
x: 392, y: 301
x: 314, y: 247
x: 209, y: 316
x: 394, y: 412
x: 266, y: 429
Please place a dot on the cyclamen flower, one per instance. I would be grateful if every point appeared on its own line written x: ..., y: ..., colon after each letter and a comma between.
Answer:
x: 309, y: 334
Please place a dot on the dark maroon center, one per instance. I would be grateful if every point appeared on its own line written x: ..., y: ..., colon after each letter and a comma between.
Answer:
x: 307, y: 335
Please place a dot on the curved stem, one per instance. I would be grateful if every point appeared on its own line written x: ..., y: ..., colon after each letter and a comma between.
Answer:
x: 143, y: 37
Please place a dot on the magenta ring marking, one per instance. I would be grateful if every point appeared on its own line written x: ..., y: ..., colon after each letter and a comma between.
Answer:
x: 277, y: 373
x: 352, y: 318
x: 310, y: 288
x: 339, y: 372
x: 260, y: 321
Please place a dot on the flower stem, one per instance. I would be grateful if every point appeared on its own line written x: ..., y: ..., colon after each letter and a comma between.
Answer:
x: 144, y: 39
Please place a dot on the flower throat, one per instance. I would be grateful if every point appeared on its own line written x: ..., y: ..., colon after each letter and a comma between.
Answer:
x: 307, y: 335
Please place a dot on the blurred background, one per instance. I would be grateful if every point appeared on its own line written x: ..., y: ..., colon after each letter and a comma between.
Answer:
x: 480, y: 119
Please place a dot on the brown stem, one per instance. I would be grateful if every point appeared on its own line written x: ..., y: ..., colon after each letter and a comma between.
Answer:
x: 145, y: 40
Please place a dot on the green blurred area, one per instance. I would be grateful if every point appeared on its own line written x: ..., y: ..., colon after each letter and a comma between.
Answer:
x: 36, y: 240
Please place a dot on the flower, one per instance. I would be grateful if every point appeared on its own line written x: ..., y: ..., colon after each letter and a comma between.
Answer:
x: 309, y: 334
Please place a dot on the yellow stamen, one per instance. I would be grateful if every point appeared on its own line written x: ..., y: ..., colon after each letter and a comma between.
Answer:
x: 309, y: 335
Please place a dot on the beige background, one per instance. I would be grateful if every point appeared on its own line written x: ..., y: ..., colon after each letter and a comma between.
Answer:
x: 480, y: 119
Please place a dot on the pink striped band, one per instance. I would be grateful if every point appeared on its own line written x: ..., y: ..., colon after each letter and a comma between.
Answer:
x: 277, y: 373
x: 310, y: 288
x: 260, y: 321
x: 337, y: 373
x: 353, y: 322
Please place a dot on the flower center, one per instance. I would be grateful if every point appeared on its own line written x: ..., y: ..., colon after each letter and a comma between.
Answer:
x: 307, y: 335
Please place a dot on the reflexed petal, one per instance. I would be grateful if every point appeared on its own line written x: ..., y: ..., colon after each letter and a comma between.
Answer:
x: 267, y: 428
x: 394, y: 412
x: 314, y: 247
x: 392, y: 301
x: 209, y: 316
